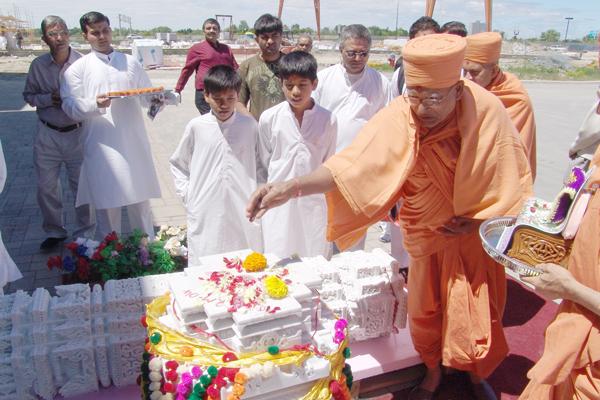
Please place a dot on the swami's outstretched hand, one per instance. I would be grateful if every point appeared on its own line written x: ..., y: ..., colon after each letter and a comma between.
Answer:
x: 268, y: 196
x: 275, y: 194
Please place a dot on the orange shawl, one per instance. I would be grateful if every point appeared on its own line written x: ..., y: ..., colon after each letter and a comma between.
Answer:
x: 492, y: 176
x: 511, y: 92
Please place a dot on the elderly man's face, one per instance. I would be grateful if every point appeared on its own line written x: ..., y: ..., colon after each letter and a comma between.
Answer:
x: 269, y: 44
x: 355, y: 54
x: 211, y: 32
x: 481, y: 74
x: 56, y: 37
x: 433, y: 106
x: 304, y: 44
x: 99, y: 36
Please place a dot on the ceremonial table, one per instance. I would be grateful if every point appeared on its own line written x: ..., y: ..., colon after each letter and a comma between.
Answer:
x: 369, y: 358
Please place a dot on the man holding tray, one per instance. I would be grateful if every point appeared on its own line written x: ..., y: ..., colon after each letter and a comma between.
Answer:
x: 450, y: 152
x: 117, y: 168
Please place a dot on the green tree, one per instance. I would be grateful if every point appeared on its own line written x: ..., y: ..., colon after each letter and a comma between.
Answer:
x: 75, y: 31
x: 550, y: 35
x: 243, y: 26
x: 161, y: 29
x: 295, y: 29
x: 186, y: 31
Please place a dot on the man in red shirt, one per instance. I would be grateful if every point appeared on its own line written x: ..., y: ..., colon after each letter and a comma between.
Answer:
x: 201, y: 57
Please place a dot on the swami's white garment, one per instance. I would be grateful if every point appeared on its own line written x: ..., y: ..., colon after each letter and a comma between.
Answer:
x: 8, y: 269
x: 286, y: 151
x: 117, y: 167
x: 352, y: 101
x: 214, y: 168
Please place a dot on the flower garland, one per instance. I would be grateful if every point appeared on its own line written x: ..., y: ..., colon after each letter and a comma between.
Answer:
x: 223, y: 367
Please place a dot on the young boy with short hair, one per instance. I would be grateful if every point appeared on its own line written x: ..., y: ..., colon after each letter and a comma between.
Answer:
x: 295, y: 137
x: 214, y: 168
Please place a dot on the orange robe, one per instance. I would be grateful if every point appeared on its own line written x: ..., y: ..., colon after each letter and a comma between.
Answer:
x: 570, y: 365
x: 511, y: 92
x: 474, y: 167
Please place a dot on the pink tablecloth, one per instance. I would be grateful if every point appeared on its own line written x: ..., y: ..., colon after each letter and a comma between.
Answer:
x: 369, y: 358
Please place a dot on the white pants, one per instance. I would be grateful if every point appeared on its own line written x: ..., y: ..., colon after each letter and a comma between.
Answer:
x: 140, y: 217
x: 52, y: 149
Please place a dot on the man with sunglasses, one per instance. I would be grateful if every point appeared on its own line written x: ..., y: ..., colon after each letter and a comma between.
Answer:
x: 352, y: 90
x: 57, y: 141
x: 449, y: 152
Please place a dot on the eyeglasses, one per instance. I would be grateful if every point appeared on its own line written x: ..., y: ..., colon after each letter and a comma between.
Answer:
x: 430, y: 101
x: 353, y: 54
x: 54, y: 34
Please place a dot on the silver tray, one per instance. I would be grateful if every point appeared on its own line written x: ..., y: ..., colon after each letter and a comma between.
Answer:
x: 490, y: 232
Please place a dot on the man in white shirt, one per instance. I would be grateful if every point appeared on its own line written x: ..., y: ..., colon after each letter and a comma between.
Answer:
x: 351, y: 90
x: 117, y: 169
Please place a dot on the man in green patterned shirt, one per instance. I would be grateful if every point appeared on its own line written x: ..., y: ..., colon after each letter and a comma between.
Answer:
x: 261, y: 86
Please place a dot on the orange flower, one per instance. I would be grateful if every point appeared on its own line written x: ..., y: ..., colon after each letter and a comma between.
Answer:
x: 240, y: 378
x: 254, y: 262
x: 238, y: 389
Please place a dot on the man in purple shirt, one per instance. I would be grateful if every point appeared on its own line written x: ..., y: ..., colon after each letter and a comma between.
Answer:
x: 58, y: 137
x: 201, y: 57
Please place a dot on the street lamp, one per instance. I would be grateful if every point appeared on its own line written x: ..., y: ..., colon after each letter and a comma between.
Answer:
x: 567, y: 30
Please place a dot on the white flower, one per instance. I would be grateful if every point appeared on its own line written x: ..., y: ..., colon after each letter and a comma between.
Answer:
x: 173, y: 231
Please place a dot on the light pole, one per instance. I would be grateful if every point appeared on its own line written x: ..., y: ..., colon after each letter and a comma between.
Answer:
x: 567, y: 30
x: 397, y: 10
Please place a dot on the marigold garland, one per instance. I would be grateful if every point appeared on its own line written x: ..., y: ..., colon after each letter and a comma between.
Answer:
x: 255, y: 262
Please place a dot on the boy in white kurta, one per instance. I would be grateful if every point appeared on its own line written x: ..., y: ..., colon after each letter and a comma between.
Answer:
x: 295, y: 137
x: 117, y: 167
x: 214, y: 168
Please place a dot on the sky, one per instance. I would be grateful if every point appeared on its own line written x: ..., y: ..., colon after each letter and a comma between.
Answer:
x: 529, y: 18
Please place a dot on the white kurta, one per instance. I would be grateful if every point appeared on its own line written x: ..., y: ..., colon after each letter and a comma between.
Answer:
x: 352, y: 103
x: 214, y: 168
x: 117, y: 167
x: 286, y: 151
x: 8, y: 269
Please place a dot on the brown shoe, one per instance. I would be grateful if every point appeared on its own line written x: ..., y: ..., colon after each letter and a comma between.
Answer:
x: 483, y: 391
x: 418, y: 393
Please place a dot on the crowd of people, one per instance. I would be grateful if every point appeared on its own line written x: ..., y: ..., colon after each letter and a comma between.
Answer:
x: 287, y: 159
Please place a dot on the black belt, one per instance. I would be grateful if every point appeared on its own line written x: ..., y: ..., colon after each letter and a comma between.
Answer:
x: 63, y: 129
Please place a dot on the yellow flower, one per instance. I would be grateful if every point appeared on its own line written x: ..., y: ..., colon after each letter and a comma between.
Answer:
x: 255, y: 262
x: 276, y: 288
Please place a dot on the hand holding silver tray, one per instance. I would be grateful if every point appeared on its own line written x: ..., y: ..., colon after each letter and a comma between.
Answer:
x: 490, y: 232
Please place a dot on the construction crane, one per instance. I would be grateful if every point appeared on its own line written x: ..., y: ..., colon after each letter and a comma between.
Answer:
x: 317, y: 15
x: 430, y: 4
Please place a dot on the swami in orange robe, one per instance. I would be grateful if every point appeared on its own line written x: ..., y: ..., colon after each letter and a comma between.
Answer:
x: 570, y: 365
x: 473, y: 166
x: 481, y: 66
